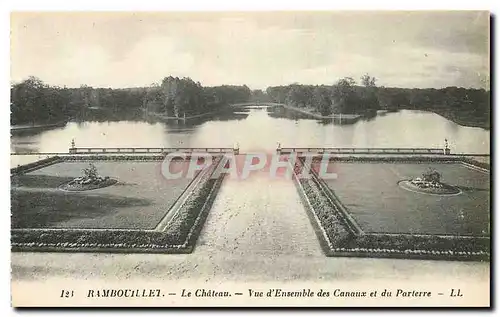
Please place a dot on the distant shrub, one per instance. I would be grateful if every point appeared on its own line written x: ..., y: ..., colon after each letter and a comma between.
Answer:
x: 431, y: 175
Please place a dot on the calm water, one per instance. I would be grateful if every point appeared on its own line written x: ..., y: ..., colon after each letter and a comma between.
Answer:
x: 261, y: 129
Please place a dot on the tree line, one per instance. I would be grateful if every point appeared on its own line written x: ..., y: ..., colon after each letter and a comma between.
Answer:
x: 34, y: 102
x: 346, y: 96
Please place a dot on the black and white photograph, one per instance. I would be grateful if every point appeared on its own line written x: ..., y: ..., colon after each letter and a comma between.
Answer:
x: 244, y: 158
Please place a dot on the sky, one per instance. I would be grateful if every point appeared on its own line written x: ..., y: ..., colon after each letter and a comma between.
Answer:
x: 260, y: 49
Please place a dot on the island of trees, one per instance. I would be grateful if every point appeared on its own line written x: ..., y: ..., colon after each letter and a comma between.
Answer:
x: 470, y: 107
x: 34, y: 102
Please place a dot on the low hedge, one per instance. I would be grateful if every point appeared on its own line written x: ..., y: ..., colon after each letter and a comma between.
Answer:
x: 330, y: 220
x: 427, y: 242
x: 66, y: 238
x: 471, y: 161
x: 418, y: 247
x: 182, y: 224
x: 407, y: 159
x: 104, y: 157
x: 390, y: 159
x: 34, y: 165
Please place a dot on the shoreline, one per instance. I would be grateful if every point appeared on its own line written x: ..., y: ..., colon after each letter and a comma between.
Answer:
x: 164, y: 117
x: 447, y: 116
x: 463, y: 122
x: 23, y: 127
x: 318, y: 116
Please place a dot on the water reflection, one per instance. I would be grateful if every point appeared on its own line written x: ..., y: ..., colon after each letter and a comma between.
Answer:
x: 261, y: 128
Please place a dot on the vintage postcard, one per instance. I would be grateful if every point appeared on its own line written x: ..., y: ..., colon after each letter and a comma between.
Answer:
x: 286, y: 158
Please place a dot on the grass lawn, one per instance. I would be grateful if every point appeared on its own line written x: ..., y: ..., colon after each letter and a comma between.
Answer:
x: 139, y: 200
x: 370, y: 193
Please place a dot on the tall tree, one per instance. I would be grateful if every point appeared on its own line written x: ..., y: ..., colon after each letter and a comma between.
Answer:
x: 344, y: 96
x: 368, y: 81
x: 369, y: 99
x: 322, y: 100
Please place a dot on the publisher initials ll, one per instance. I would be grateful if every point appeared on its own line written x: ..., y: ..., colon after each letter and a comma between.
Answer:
x: 455, y: 293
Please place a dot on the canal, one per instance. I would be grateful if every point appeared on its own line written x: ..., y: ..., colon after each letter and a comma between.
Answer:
x: 260, y: 129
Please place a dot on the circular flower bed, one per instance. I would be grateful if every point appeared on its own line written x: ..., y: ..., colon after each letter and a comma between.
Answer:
x: 431, y: 188
x: 82, y: 184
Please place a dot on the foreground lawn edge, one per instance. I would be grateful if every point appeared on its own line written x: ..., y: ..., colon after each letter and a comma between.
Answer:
x: 339, y: 235
x: 179, y: 236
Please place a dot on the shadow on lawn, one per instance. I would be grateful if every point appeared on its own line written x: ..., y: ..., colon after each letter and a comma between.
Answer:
x: 47, y: 181
x: 42, y: 209
x: 39, y: 181
x: 472, y: 189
